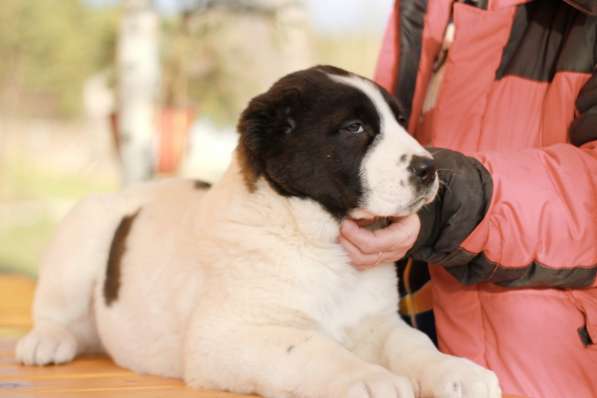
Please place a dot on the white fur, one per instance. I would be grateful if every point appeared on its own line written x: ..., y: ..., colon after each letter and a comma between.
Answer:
x: 241, y: 291
x: 382, y: 170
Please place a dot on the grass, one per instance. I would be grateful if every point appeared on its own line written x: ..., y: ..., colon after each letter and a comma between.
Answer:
x: 21, y: 245
x: 24, y: 179
x: 34, y: 198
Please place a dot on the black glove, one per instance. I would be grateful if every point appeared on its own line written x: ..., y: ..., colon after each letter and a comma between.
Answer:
x: 461, y: 203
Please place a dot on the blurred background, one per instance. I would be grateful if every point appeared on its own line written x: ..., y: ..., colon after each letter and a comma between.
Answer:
x: 99, y: 94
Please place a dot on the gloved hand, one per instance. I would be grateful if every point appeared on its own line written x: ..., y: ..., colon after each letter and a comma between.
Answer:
x: 460, y: 205
x: 436, y: 231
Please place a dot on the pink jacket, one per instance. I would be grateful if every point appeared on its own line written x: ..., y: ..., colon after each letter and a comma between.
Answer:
x: 517, y: 294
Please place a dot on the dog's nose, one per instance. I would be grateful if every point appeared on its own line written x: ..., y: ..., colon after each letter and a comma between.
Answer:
x: 422, y: 168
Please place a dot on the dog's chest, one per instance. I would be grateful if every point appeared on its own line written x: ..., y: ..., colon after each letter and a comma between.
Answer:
x: 340, y: 301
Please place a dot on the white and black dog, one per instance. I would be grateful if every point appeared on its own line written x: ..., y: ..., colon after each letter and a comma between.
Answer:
x: 243, y: 287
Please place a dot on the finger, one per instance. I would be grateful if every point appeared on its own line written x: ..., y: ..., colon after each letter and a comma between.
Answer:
x: 359, y: 259
x: 362, y: 261
x: 399, y: 234
x: 393, y: 256
x: 363, y: 267
x: 359, y: 237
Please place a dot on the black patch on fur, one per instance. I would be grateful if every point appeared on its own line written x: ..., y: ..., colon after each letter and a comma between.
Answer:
x: 394, y: 105
x: 117, y: 251
x: 201, y: 185
x: 293, y: 135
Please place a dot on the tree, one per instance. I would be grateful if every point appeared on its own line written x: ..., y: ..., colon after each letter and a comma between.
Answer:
x: 48, y: 50
x: 138, y: 73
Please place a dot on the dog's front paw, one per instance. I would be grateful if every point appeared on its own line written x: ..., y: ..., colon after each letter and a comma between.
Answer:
x: 452, y: 377
x: 46, y: 345
x: 376, y: 382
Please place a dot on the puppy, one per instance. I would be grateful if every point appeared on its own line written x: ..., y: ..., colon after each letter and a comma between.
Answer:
x: 243, y: 287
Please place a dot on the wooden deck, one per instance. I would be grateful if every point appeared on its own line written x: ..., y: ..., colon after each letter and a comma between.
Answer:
x: 93, y: 377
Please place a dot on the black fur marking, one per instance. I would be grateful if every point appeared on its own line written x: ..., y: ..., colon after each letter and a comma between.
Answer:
x: 201, y: 185
x: 117, y: 251
x: 394, y: 106
x: 319, y: 159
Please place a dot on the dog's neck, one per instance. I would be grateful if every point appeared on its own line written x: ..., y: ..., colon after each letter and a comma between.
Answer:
x: 263, y: 205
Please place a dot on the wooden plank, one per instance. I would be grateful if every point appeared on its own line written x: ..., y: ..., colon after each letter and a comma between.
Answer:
x: 94, y: 376
x: 15, y: 301
x: 131, y: 393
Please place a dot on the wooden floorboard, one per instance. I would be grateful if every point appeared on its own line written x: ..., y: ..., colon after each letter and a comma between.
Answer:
x: 93, y: 377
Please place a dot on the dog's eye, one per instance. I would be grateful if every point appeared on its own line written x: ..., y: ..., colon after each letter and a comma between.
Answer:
x: 354, y: 128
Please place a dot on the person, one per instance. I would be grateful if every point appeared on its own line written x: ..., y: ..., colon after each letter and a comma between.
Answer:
x: 505, y: 91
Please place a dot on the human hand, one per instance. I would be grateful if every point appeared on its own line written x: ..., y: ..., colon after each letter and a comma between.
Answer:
x: 367, y: 248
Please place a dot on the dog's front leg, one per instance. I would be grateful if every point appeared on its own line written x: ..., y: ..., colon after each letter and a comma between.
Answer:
x: 279, y: 362
x: 409, y: 352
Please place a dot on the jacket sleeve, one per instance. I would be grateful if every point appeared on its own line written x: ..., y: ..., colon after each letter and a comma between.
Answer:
x: 519, y: 219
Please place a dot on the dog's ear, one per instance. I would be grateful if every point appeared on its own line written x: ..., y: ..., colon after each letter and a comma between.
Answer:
x: 263, y: 126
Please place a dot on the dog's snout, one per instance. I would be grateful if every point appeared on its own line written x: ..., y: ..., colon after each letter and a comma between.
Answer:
x: 422, y: 169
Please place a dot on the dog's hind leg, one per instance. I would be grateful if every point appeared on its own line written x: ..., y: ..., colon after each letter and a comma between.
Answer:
x: 63, y: 316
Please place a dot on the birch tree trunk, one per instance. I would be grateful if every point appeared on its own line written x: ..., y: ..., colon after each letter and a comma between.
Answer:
x: 138, y: 88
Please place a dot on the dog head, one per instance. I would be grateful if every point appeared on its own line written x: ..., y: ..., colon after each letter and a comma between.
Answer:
x: 335, y: 137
